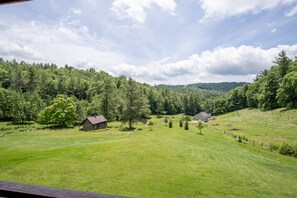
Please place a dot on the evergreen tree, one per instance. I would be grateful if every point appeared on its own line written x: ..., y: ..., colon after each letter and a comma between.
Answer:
x: 283, y: 62
x: 136, y: 104
x: 170, y: 123
x: 180, y: 123
x: 187, y: 125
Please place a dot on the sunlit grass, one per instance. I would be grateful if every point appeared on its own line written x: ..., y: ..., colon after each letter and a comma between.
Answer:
x: 161, y: 162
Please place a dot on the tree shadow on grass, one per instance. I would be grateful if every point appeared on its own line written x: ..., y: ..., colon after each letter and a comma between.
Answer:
x: 284, y: 110
x: 126, y: 129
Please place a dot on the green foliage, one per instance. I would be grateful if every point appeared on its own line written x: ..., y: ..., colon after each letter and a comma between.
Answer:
x: 166, y: 119
x: 136, y: 104
x: 181, y: 123
x: 170, y: 123
x: 283, y: 62
x: 287, y: 93
x: 61, y: 113
x: 287, y: 149
x: 267, y: 92
x: 200, y: 126
x: 187, y: 118
x: 150, y: 123
x: 186, y: 125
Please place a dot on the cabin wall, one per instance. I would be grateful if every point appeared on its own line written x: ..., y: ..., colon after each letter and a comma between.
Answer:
x: 87, y: 125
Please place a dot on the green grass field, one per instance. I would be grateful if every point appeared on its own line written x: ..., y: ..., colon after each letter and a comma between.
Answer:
x: 163, y: 162
x: 276, y: 126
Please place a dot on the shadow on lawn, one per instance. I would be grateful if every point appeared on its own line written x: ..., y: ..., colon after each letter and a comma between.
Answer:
x: 126, y: 129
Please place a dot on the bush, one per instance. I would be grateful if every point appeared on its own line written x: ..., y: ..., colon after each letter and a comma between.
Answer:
x: 166, y: 119
x: 170, y: 124
x: 287, y: 149
x: 186, y: 125
x: 187, y: 118
x: 150, y: 123
x: 181, y: 123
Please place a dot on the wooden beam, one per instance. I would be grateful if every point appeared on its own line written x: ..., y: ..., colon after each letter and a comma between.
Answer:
x: 13, y: 189
x: 12, y: 1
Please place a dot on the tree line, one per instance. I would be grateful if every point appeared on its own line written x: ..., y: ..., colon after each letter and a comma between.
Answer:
x: 29, y: 92
x: 271, y: 89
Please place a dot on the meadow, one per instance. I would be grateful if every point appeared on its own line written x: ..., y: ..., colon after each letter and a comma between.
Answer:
x: 157, y: 162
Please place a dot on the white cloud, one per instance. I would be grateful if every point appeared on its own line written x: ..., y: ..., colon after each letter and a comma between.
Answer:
x: 76, y: 11
x: 135, y: 10
x: 292, y: 12
x: 273, y: 30
x: 214, y: 9
x: 65, y: 42
x: 221, y: 64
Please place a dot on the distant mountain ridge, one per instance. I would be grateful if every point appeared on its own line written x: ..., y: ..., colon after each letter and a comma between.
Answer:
x: 222, y: 87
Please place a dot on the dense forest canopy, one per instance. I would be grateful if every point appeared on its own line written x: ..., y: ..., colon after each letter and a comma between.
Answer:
x: 27, y: 90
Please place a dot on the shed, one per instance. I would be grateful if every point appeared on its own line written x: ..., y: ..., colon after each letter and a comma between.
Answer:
x: 94, y: 122
x: 203, y: 116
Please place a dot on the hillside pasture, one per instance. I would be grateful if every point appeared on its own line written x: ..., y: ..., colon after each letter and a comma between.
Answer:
x: 162, y: 162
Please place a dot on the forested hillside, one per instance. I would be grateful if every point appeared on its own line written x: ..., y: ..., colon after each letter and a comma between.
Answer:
x: 271, y: 89
x: 205, y: 88
x: 26, y: 89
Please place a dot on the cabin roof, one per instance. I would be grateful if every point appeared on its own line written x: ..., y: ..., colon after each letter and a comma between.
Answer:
x: 96, y: 119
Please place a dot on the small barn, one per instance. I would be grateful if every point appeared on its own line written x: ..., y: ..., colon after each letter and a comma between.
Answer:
x: 94, y: 122
x: 203, y: 116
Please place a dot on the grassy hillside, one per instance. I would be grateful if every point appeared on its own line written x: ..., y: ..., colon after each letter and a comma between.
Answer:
x: 277, y: 126
x: 159, y: 163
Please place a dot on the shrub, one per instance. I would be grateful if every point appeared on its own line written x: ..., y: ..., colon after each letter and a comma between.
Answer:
x: 166, y: 119
x: 187, y: 118
x: 186, y: 125
x: 181, y: 123
x: 239, y: 139
x: 150, y: 123
x: 170, y: 124
x: 287, y: 149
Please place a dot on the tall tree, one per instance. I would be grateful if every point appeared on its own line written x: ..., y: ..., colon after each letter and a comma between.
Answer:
x: 136, y: 104
x: 287, y: 93
x: 283, y: 62
x: 108, y: 100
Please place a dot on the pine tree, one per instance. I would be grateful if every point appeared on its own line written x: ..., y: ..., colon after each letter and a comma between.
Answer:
x: 136, y: 104
x: 186, y: 125
x: 170, y: 123
x: 283, y: 62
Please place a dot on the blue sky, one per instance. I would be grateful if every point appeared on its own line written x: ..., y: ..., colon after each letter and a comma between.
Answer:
x: 152, y: 41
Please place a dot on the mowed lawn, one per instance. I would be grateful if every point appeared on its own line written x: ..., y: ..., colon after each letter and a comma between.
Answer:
x: 163, y: 162
x: 276, y: 126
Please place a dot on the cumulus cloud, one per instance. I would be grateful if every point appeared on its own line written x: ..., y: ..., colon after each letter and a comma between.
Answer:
x: 221, y: 64
x: 135, y: 10
x: 226, y: 8
x: 66, y: 42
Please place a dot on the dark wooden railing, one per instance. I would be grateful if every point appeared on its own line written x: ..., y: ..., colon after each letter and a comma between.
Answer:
x: 13, y: 189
